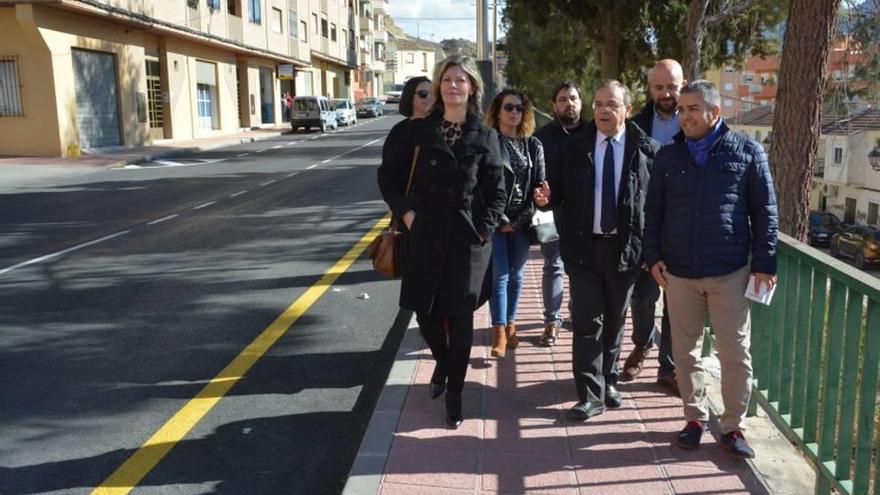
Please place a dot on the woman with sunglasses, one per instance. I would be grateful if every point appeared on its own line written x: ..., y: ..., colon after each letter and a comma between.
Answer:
x: 523, y: 156
x: 415, y: 102
x: 455, y: 203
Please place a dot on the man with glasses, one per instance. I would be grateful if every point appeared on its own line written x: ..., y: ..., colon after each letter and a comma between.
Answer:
x: 659, y: 119
x: 567, y: 113
x: 599, y: 186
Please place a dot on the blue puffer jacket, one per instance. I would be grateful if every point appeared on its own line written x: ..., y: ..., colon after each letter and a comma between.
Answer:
x: 706, y: 221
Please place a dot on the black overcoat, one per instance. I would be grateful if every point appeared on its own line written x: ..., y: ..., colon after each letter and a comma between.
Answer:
x: 458, y: 197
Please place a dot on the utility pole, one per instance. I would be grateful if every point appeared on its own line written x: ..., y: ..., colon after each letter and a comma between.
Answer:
x: 483, y: 60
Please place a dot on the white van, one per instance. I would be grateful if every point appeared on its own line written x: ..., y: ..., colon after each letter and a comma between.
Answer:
x: 312, y: 111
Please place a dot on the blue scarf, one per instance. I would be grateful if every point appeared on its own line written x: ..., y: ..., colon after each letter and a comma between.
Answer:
x: 699, y: 149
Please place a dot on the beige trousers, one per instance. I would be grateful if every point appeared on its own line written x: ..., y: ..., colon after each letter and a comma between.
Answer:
x: 722, y: 297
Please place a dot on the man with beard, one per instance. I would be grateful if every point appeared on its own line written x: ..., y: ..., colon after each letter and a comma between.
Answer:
x: 567, y: 110
x: 659, y: 119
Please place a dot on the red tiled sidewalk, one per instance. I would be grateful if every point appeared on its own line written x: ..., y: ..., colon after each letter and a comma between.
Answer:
x: 516, y: 437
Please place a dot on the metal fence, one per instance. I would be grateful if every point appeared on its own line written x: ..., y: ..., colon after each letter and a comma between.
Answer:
x: 815, y: 354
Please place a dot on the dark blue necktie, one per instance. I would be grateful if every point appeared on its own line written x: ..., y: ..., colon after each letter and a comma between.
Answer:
x: 609, y: 196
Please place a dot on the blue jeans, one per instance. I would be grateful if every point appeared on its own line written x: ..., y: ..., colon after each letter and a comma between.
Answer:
x: 644, y: 334
x: 509, y: 254
x: 552, y: 282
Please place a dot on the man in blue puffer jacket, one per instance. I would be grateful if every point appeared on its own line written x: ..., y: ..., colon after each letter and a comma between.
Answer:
x: 710, y: 222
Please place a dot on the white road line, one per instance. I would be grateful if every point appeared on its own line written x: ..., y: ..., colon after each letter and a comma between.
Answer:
x: 262, y: 150
x: 242, y: 154
x: 160, y: 220
x: 327, y: 160
x: 292, y: 174
x: 269, y: 182
x: 311, y: 166
x: 292, y: 143
x: 276, y: 146
x: 62, y: 252
x: 204, y: 205
x: 239, y: 193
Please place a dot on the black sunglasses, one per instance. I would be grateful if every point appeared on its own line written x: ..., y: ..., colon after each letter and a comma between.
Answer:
x: 509, y: 107
x: 423, y: 94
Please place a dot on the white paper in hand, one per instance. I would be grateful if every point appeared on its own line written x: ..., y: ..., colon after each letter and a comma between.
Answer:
x: 542, y: 217
x: 758, y: 292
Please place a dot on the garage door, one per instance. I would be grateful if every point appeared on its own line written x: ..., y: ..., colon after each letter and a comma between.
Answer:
x: 97, y: 111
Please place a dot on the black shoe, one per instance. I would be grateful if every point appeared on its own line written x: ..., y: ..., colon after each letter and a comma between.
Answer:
x: 585, y: 410
x: 438, y: 382
x: 689, y: 437
x: 612, y: 397
x: 453, y: 410
x: 736, y: 445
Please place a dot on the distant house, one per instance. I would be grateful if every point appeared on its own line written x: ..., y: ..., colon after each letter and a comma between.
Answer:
x: 414, y: 57
x: 844, y: 181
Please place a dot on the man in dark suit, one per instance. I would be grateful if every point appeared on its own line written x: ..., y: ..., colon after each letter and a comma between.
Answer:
x: 598, y: 188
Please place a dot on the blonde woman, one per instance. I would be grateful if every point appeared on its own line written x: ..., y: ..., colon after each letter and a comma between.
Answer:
x: 455, y: 204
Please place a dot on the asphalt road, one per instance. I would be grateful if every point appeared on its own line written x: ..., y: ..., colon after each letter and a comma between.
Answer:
x: 126, y: 291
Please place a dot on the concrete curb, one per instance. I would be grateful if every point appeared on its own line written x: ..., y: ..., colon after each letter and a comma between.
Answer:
x: 368, y: 468
x: 164, y: 155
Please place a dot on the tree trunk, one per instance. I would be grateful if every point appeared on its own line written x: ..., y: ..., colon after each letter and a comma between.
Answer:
x: 796, y: 117
x: 693, y: 41
x: 609, y: 56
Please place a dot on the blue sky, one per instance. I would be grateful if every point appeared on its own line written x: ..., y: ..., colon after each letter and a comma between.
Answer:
x: 438, y: 19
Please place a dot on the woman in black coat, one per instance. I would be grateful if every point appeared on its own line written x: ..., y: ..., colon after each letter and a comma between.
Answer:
x: 455, y: 204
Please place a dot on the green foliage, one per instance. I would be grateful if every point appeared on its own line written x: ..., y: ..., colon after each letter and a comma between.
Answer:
x: 554, y: 40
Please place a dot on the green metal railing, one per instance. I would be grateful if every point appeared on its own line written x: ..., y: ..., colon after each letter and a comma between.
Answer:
x: 815, y: 354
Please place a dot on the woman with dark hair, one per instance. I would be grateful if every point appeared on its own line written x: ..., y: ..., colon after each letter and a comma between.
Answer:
x: 416, y: 98
x: 455, y: 203
x: 512, y: 115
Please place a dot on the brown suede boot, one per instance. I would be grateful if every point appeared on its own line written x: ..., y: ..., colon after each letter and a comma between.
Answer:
x: 512, y: 341
x: 499, y: 341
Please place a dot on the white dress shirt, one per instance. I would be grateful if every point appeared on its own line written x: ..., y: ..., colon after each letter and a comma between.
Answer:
x: 617, y: 142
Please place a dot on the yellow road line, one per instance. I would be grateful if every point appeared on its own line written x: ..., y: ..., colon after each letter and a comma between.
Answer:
x: 133, y: 470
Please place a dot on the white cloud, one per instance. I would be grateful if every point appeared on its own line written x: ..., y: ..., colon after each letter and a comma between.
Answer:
x: 437, y: 20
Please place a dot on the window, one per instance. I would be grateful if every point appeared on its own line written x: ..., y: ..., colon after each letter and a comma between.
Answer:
x: 758, y: 136
x: 410, y: 58
x: 345, y: 37
x: 332, y: 32
x: 351, y: 39
x: 838, y: 155
x: 728, y: 86
x: 254, y: 13
x: 728, y: 103
x: 324, y: 28
x: 10, y: 88
x: 155, y: 105
x: 424, y: 62
x: 206, y: 94
x: 213, y: 4
x: 304, y: 31
x: 315, y: 23
x: 379, y: 49
x: 292, y: 24
x: 230, y: 7
x: 276, y: 20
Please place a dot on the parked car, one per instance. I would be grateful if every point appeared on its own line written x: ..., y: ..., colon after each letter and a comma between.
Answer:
x: 822, y: 226
x: 369, y: 107
x: 312, y: 111
x: 393, y: 95
x: 859, y: 242
x: 345, y: 112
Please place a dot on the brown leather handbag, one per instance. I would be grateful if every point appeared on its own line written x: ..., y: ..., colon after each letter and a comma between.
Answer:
x: 387, y: 249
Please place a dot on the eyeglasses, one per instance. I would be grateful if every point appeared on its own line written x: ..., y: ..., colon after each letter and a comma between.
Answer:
x: 423, y: 94
x: 510, y: 107
x: 609, y: 105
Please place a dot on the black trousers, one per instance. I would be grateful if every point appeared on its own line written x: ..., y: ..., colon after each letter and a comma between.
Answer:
x: 450, y: 338
x: 600, y: 297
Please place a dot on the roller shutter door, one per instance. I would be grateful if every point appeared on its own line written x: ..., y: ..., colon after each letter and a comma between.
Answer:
x: 97, y: 111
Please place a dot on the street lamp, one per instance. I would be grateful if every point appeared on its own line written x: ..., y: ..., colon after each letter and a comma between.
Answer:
x: 874, y: 158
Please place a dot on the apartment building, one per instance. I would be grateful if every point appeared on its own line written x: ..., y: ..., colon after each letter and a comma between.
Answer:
x: 87, y: 74
x: 755, y: 83
x: 372, y: 45
x: 846, y: 175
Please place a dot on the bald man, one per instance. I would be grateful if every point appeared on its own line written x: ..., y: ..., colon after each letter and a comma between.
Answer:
x: 659, y: 119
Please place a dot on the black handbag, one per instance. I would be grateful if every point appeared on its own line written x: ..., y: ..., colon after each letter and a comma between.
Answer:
x: 543, y: 228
